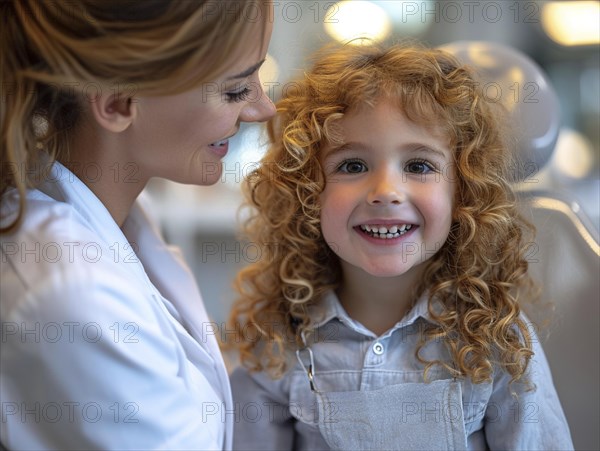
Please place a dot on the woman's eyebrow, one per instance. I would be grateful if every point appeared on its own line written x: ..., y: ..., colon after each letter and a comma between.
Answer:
x: 248, y: 71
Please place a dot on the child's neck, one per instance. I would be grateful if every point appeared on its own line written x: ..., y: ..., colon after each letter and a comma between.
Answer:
x: 378, y: 303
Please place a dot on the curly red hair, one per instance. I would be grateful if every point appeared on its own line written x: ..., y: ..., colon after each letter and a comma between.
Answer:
x: 472, y: 281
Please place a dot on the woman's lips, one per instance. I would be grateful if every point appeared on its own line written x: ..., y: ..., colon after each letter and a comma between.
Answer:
x: 220, y: 148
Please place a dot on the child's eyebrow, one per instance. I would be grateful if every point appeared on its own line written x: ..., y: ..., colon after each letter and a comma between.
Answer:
x: 345, y: 147
x: 411, y: 147
x: 429, y: 149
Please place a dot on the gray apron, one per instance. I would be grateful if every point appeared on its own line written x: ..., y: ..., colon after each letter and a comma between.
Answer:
x: 410, y: 416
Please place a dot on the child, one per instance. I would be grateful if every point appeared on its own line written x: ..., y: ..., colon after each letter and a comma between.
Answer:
x: 385, y: 312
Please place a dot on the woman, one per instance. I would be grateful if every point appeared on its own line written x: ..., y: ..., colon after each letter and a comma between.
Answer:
x: 104, y: 337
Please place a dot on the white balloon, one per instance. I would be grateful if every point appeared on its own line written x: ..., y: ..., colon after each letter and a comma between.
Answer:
x: 512, y: 78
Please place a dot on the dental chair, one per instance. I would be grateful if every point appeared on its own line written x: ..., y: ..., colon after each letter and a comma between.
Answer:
x: 564, y: 259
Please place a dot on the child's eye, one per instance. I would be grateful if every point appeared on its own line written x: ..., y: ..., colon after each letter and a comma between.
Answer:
x: 352, y: 167
x: 238, y: 96
x: 419, y: 167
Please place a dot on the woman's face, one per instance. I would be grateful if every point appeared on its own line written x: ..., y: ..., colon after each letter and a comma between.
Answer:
x: 184, y: 137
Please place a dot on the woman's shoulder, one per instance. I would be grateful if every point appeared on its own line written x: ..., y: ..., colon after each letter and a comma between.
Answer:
x: 56, y: 261
x: 51, y: 236
x: 45, y: 219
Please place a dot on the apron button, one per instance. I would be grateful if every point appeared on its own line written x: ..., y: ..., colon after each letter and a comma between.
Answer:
x: 378, y: 348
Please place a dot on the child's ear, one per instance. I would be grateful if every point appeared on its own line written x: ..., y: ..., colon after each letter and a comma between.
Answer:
x: 114, y: 113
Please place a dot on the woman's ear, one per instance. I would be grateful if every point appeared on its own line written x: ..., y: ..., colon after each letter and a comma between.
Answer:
x: 114, y: 113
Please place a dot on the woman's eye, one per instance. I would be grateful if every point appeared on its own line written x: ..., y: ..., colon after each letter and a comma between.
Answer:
x: 419, y: 167
x: 352, y: 167
x: 238, y: 96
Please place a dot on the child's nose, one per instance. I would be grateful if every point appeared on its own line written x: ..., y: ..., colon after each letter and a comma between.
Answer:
x: 386, y: 189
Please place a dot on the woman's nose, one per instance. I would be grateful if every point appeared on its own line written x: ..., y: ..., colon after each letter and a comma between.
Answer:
x: 386, y: 189
x: 258, y: 110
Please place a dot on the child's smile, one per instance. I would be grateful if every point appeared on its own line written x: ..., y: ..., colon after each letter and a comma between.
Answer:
x: 386, y: 231
x: 387, y: 203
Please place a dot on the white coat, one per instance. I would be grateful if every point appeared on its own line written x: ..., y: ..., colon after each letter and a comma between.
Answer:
x: 105, y: 341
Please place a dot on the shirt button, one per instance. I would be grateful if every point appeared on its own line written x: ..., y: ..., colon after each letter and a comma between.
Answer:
x: 378, y: 348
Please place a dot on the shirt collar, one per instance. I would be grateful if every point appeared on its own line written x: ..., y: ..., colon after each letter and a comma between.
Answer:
x: 330, y: 308
x: 64, y: 186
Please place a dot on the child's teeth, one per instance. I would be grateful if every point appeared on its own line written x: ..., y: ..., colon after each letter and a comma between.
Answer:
x: 382, y: 232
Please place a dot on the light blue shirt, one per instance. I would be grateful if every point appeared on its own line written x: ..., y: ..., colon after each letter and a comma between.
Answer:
x: 282, y: 414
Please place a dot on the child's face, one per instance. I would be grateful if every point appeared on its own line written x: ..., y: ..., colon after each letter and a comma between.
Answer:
x: 389, y: 174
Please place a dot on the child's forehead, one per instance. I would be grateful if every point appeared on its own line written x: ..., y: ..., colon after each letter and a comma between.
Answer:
x: 433, y: 123
x: 355, y: 130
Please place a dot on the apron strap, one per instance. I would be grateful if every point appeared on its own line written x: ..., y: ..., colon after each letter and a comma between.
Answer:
x: 303, y: 355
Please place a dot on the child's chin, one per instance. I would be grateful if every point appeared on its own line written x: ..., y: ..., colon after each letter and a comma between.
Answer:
x: 387, y: 272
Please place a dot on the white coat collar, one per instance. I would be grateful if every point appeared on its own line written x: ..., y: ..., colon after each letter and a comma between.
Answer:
x: 61, y: 184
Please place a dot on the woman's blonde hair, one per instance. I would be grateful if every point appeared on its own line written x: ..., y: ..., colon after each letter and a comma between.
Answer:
x: 472, y: 280
x: 55, y: 54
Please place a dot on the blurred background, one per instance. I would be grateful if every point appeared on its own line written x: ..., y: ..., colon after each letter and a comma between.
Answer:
x: 562, y: 37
